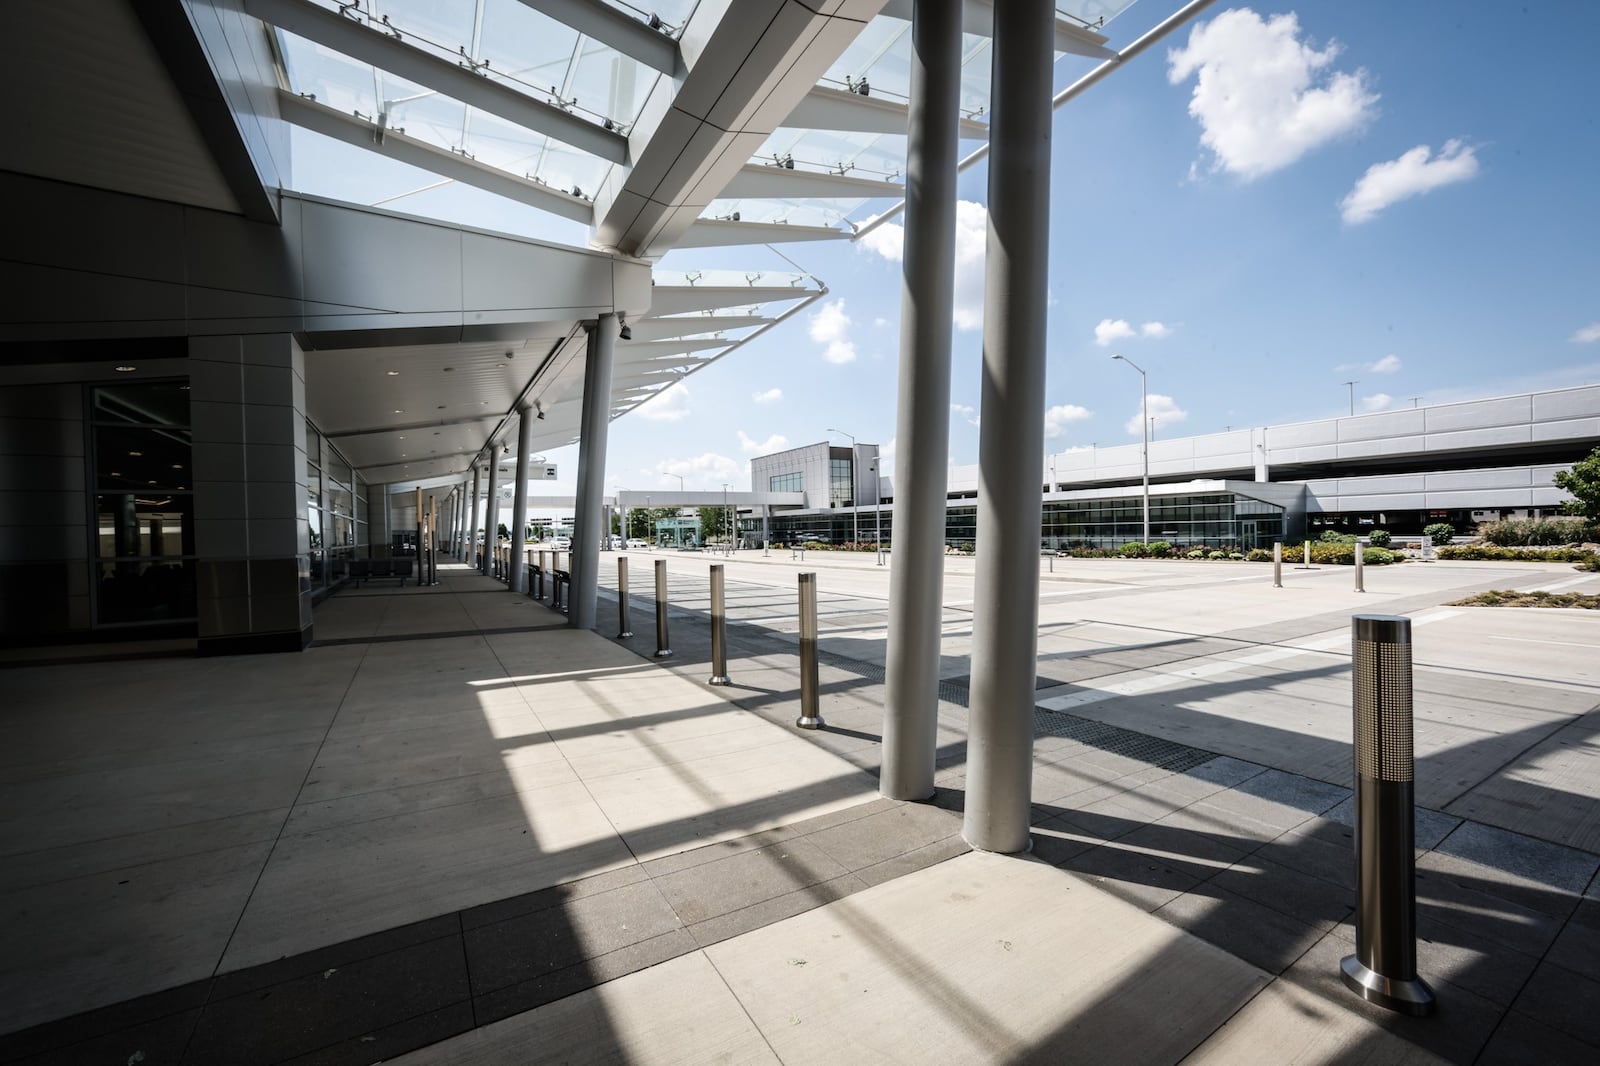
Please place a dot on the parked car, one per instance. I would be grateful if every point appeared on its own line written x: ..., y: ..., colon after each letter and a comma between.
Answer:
x: 562, y: 544
x: 635, y: 542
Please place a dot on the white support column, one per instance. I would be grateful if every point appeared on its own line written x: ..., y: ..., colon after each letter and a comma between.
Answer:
x: 1005, y: 610
x: 588, y: 519
x: 916, y: 583
x: 491, y: 510
x: 472, y: 514
x: 519, y: 502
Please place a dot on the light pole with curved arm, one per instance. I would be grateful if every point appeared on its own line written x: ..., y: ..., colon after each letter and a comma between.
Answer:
x: 1144, y: 426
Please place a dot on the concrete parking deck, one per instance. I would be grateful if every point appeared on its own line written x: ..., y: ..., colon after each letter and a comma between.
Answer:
x: 454, y: 819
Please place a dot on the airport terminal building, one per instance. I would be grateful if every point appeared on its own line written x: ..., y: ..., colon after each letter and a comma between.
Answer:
x: 1461, y: 463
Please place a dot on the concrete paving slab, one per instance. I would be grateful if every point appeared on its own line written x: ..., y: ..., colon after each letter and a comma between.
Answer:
x: 1565, y: 763
x: 678, y: 1012
x: 1288, y: 1024
x: 981, y: 958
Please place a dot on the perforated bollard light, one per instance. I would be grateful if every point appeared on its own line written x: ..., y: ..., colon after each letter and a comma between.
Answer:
x: 1361, y: 584
x: 663, y: 649
x: 810, y: 710
x: 1383, y: 970
x: 1277, y: 565
x: 719, y: 629
x: 624, y: 623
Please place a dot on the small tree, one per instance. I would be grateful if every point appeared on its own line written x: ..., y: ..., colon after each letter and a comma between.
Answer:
x: 1439, y: 532
x: 714, y: 522
x: 1583, y: 481
x: 503, y: 533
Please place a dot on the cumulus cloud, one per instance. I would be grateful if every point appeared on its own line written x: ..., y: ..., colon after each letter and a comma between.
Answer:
x: 1588, y: 334
x: 705, y: 471
x: 775, y: 443
x: 972, y: 235
x: 888, y: 240
x: 1389, y: 364
x: 880, y: 322
x: 670, y: 404
x: 886, y: 453
x: 970, y: 414
x: 1162, y: 408
x: 1264, y: 96
x: 1417, y: 172
x: 1056, y: 418
x: 830, y: 326
x: 1112, y: 330
x: 1378, y: 401
x: 772, y: 395
x: 1155, y: 330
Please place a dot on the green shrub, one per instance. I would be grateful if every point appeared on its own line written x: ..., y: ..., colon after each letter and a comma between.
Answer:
x: 1494, y: 553
x: 1380, y: 556
x: 1378, y: 538
x: 1134, y: 549
x: 1332, y: 537
x: 1591, y: 563
x: 1236, y: 555
x: 1439, y: 532
x: 1517, y: 532
x: 1196, y: 553
x: 1258, y: 555
x: 1216, y: 555
x: 1160, y: 549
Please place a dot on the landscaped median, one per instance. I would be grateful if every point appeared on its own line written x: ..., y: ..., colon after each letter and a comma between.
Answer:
x: 1513, y: 598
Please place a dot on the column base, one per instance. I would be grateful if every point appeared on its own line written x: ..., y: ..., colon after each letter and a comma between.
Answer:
x: 1412, y: 997
x: 805, y: 722
x: 254, y: 643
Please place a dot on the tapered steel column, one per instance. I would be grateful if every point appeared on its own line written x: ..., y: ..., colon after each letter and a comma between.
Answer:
x: 1005, y: 611
x: 519, y: 503
x: 588, y: 523
x: 491, y: 509
x: 1361, y: 585
x: 462, y: 540
x: 916, y: 584
x: 472, y: 515
x: 1383, y: 969
x: 810, y: 699
x: 663, y: 646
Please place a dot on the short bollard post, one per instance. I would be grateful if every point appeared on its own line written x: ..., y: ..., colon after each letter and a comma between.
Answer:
x: 1360, y: 569
x: 663, y: 649
x: 1308, y: 553
x: 719, y: 630
x: 624, y: 625
x: 810, y: 712
x: 1384, y: 968
x: 1277, y: 565
x: 544, y: 568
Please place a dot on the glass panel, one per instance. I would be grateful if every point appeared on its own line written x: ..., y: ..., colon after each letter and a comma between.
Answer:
x: 313, y: 445
x: 142, y: 458
x: 162, y: 403
x: 129, y: 524
x: 145, y: 591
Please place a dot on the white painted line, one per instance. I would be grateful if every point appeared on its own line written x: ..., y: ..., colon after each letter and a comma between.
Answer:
x: 1559, y: 643
x: 1557, y: 586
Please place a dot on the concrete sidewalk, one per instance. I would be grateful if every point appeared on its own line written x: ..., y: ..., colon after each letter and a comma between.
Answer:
x: 456, y: 812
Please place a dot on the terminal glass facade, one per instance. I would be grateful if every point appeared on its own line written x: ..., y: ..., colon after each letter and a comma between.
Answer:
x: 336, y: 510
x: 1211, y: 520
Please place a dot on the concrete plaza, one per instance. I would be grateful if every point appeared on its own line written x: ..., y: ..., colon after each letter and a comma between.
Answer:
x: 456, y: 830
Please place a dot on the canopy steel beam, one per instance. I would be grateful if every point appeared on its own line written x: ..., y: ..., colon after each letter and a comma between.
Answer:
x: 717, y: 233
x: 660, y: 329
x: 614, y: 29
x: 681, y: 299
x: 458, y: 82
x: 387, y: 141
x: 835, y: 109
x: 978, y: 20
x: 755, y: 181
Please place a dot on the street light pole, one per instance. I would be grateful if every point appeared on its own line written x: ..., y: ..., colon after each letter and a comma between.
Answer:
x: 855, y: 529
x: 1351, y: 385
x: 1144, y: 426
x: 727, y: 521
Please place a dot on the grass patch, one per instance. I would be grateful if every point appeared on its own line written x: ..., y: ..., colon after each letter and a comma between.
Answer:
x: 1513, y: 598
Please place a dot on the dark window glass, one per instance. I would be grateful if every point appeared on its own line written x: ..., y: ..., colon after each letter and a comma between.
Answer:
x: 139, y: 459
x: 144, y: 525
x: 160, y: 403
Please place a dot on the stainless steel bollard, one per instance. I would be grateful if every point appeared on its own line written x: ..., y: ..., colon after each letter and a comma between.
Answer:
x: 1308, y: 553
x: 544, y: 568
x: 1360, y: 569
x: 719, y: 630
x: 663, y: 650
x: 1277, y: 565
x: 624, y: 624
x: 1384, y: 968
x: 810, y: 712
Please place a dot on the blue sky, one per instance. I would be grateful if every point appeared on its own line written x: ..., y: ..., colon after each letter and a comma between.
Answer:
x: 1276, y: 200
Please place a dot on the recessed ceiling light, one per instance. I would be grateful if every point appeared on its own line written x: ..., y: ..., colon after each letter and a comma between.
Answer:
x: 125, y: 369
x: 136, y: 455
x: 116, y: 473
x: 392, y: 373
x: 499, y: 366
x: 177, y: 466
x: 402, y: 436
x: 399, y: 410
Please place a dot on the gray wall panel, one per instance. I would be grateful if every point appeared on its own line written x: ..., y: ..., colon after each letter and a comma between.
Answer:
x: 1506, y: 411
x: 1378, y: 426
x: 1581, y: 403
x: 1484, y: 437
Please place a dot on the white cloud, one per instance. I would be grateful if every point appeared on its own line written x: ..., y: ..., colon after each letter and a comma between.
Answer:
x: 775, y: 443
x: 972, y: 237
x: 772, y: 395
x: 968, y: 413
x: 1109, y: 330
x: 880, y: 322
x: 972, y: 240
x: 1389, y: 364
x: 888, y: 240
x: 1415, y: 173
x: 886, y: 454
x: 670, y: 404
x: 1162, y: 409
x: 1264, y: 96
x: 1378, y: 401
x: 706, y: 471
x: 1057, y: 417
x: 1155, y: 330
x: 831, y: 326
x: 1588, y: 334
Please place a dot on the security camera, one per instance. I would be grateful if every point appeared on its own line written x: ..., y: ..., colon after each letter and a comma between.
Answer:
x: 626, y: 332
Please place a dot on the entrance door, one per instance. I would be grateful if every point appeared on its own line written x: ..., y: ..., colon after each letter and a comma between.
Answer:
x: 1247, y: 534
